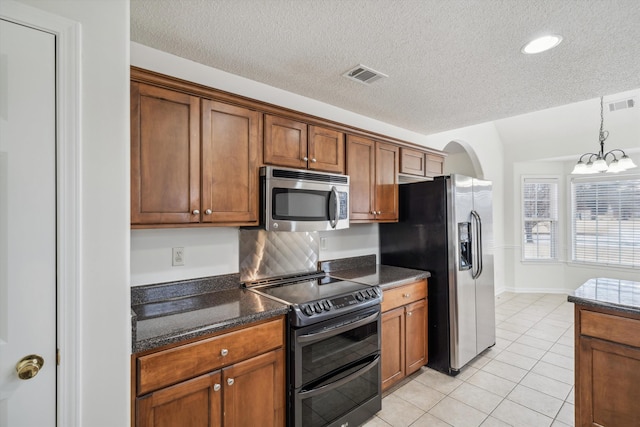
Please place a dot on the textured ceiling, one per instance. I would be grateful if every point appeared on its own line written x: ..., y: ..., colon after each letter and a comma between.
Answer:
x: 450, y: 63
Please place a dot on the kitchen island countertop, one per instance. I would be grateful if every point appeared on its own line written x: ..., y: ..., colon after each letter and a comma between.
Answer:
x: 613, y: 294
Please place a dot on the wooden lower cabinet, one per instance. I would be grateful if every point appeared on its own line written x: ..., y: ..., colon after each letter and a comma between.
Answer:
x: 249, y: 391
x: 404, y: 332
x: 607, y: 354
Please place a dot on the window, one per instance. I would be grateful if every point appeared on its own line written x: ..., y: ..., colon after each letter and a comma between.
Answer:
x: 606, y: 220
x: 539, y: 218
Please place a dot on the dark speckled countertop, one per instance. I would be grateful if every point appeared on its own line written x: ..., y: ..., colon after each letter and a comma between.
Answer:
x: 172, y: 312
x: 614, y: 294
x: 365, y: 270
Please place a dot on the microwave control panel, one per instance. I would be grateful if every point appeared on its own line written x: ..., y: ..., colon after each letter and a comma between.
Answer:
x: 342, y: 200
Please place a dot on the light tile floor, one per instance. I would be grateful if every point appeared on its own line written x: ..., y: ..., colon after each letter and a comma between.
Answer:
x: 526, y: 379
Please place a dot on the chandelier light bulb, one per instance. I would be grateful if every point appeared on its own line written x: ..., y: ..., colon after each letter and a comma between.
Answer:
x: 626, y: 163
x: 600, y: 165
x: 614, y: 167
x: 580, y: 169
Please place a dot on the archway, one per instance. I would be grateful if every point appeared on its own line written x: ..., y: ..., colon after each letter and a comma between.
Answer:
x: 462, y: 159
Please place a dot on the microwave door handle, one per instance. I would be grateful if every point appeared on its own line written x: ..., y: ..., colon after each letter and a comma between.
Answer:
x: 334, y: 207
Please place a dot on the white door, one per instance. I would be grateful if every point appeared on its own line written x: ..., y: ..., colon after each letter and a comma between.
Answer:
x: 27, y: 225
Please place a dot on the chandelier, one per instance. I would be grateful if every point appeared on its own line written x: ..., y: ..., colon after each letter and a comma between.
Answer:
x: 597, y: 162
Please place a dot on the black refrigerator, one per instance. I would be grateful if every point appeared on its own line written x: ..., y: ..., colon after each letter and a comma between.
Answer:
x: 445, y: 227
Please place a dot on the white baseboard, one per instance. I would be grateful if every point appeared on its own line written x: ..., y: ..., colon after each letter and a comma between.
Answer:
x: 535, y: 290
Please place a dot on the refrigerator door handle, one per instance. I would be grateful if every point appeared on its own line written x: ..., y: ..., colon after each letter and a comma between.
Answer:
x: 478, y: 245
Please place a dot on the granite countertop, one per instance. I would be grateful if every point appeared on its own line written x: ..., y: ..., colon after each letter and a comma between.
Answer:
x: 365, y: 270
x: 173, y: 312
x: 614, y: 294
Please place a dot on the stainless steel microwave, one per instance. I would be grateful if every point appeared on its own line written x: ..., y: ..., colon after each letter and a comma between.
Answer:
x: 301, y: 200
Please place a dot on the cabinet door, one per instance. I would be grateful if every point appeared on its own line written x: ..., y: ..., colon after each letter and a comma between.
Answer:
x: 285, y: 142
x: 607, y: 375
x: 194, y: 403
x: 434, y: 165
x: 386, y: 198
x: 392, y: 351
x: 254, y: 391
x: 416, y: 336
x: 361, y: 170
x: 230, y: 162
x: 326, y: 149
x: 165, y: 156
x: 412, y: 161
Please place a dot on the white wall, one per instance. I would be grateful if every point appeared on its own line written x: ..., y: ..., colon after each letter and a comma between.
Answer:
x: 105, y: 345
x: 458, y: 163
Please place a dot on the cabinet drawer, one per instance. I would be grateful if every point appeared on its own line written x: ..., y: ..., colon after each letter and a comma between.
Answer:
x: 402, y: 295
x: 180, y: 363
x: 611, y: 328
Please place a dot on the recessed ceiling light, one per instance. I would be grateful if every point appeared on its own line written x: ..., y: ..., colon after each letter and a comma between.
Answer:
x: 541, y: 44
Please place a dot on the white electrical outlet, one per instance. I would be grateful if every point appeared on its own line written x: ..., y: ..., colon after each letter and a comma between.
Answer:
x: 178, y: 257
x: 323, y: 243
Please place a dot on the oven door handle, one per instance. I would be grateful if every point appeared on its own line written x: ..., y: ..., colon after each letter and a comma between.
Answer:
x: 336, y: 331
x: 341, y: 381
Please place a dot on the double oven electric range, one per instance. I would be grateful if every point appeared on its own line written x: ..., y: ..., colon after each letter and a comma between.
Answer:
x: 333, y: 373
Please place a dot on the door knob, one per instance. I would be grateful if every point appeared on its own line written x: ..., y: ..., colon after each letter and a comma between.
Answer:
x: 313, y: 160
x: 208, y: 212
x: 216, y: 387
x: 305, y: 158
x: 29, y: 366
x: 230, y: 381
x: 196, y: 212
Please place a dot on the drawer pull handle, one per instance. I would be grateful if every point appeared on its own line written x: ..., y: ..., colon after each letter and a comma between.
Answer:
x: 406, y: 295
x: 230, y: 381
x: 224, y: 352
x: 216, y: 387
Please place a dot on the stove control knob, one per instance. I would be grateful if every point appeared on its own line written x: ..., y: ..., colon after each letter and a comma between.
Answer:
x: 359, y: 296
x: 372, y: 293
x: 326, y: 305
x: 307, y: 310
x: 318, y: 307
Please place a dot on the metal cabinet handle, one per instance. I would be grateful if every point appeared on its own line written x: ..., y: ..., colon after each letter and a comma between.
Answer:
x: 224, y: 352
x: 208, y: 212
x: 216, y: 387
x: 373, y: 212
x: 196, y: 212
x: 379, y: 212
x: 313, y: 160
x: 305, y: 158
x: 406, y: 295
x: 409, y: 313
x: 230, y: 381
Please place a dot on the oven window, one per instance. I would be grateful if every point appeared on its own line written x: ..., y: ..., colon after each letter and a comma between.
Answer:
x: 322, y: 357
x: 323, y: 408
x: 300, y: 205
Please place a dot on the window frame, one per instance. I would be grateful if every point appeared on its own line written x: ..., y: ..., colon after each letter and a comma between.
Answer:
x: 570, y: 215
x: 555, y: 248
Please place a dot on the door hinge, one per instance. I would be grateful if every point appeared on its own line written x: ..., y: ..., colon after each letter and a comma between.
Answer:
x: 58, y: 356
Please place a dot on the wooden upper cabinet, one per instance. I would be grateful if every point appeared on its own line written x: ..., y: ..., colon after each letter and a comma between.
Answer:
x: 420, y: 163
x: 434, y: 165
x: 295, y: 144
x: 361, y: 166
x: 285, y: 142
x: 165, y: 156
x: 412, y: 161
x: 230, y: 161
x: 386, y: 200
x: 373, y: 169
x: 326, y: 149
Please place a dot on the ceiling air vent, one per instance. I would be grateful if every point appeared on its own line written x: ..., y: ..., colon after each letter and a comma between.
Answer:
x: 364, y: 74
x: 621, y: 105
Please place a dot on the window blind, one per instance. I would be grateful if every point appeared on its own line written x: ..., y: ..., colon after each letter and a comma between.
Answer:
x: 606, y: 221
x: 539, y: 218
